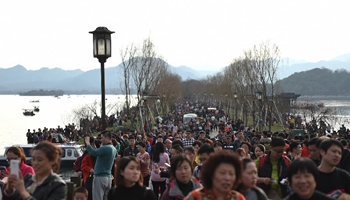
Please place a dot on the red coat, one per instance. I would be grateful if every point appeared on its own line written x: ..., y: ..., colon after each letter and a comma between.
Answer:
x: 86, y: 165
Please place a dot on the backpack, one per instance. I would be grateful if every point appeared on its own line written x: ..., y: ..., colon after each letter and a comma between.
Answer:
x: 262, y: 160
x: 122, y: 146
x: 78, y: 161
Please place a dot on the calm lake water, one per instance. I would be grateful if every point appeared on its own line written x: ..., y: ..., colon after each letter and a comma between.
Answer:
x: 53, y: 112
x: 58, y: 112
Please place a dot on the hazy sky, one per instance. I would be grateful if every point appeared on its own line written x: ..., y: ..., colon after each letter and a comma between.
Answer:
x: 196, y: 33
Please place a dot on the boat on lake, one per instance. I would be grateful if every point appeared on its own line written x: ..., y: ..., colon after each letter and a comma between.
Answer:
x: 28, y: 112
x: 70, y: 153
x: 36, y: 109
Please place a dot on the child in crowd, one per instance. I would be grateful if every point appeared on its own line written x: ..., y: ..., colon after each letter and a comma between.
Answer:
x: 80, y: 193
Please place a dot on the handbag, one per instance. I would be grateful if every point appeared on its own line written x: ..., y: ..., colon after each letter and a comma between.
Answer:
x: 88, y: 185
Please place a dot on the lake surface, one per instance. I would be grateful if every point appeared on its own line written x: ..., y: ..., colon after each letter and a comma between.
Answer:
x: 56, y: 112
x: 53, y: 112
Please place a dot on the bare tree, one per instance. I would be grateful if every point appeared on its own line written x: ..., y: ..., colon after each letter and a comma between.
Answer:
x: 128, y: 57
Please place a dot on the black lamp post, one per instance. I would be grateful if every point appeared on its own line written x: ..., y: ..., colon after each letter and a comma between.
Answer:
x: 259, y: 97
x: 102, y: 51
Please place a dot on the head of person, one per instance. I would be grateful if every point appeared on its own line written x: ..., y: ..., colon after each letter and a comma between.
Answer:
x: 81, y: 193
x: 128, y: 172
x: 142, y: 147
x: 46, y: 157
x: 240, y: 135
x: 302, y: 176
x: 228, y: 139
x: 204, y: 152
x: 106, y: 137
x: 259, y: 150
x: 295, y: 148
x: 201, y: 134
x: 168, y: 143
x: 246, y: 146
x: 189, y: 153
x: 196, y: 145
x: 222, y: 172
x: 132, y: 141
x: 188, y: 135
x: 331, y: 151
x: 176, y: 150
x: 277, y: 148
x: 241, y: 152
x: 249, y: 175
x: 217, y: 146
x: 181, y: 169
x: 313, y: 146
x: 15, y: 153
x: 159, y: 149
x: 160, y: 138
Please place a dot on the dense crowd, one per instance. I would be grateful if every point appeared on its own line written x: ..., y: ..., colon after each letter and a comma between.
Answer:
x: 208, y: 157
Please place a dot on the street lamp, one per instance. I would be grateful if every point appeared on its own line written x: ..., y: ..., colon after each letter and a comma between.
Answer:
x: 102, y: 50
x: 235, y: 96
x: 259, y: 97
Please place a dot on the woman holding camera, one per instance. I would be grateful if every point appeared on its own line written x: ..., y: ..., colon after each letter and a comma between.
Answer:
x: 45, y: 184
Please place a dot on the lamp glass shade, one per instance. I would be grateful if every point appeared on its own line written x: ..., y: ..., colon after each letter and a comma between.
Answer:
x: 95, y: 47
x: 101, y: 48
x: 108, y: 47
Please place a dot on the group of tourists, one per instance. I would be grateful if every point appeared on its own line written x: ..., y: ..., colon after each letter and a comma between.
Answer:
x: 211, y: 158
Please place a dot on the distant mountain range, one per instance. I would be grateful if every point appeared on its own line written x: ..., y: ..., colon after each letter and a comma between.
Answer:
x: 18, y: 79
x: 290, y: 66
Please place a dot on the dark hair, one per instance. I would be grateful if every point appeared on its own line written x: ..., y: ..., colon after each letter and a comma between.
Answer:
x: 293, y: 145
x: 277, y: 142
x: 343, y: 142
x: 18, y: 151
x: 176, y: 162
x: 82, y: 190
x: 261, y: 147
x: 52, y: 153
x: 158, y: 149
x: 107, y: 134
x: 245, y: 162
x: 142, y: 144
x: 209, y: 167
x: 246, y: 143
x: 302, y: 165
x: 326, y: 144
x: 315, y: 141
x: 218, y: 143
x: 178, y: 142
x: 122, y: 163
x: 178, y: 149
x: 197, y: 143
x: 205, y: 148
x: 190, y: 149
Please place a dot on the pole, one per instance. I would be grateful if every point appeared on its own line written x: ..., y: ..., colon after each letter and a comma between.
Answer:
x: 103, y: 106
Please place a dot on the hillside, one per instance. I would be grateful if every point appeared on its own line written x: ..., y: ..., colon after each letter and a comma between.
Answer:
x: 318, y: 81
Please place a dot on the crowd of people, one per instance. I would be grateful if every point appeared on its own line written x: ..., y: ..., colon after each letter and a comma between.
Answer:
x: 211, y: 157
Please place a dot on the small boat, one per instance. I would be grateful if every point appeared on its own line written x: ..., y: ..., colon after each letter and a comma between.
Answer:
x: 28, y: 112
x: 34, y: 101
x: 36, y: 109
x: 70, y: 153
